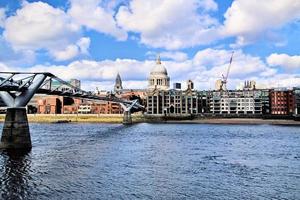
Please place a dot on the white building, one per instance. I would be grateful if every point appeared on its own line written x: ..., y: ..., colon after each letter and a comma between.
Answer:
x: 85, y: 109
x: 159, y: 78
x: 238, y: 102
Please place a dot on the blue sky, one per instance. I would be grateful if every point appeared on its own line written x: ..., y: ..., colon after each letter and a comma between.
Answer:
x: 93, y: 40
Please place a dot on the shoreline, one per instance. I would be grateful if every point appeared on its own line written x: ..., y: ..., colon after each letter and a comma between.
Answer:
x: 139, y: 118
x: 74, y: 118
x: 237, y: 121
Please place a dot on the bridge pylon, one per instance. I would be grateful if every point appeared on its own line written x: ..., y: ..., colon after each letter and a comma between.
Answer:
x: 16, y: 134
x: 127, y: 119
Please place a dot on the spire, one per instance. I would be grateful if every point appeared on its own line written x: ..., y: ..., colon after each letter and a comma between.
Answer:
x: 118, y: 78
x: 118, y: 83
x: 158, y: 61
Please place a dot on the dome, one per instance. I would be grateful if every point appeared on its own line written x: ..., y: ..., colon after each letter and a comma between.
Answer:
x: 159, y: 68
x: 159, y: 78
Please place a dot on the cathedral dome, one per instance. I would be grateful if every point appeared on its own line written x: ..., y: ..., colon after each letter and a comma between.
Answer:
x: 159, y: 78
x: 159, y: 68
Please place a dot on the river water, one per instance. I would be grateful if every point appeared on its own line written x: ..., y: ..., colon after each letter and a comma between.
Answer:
x: 155, y: 161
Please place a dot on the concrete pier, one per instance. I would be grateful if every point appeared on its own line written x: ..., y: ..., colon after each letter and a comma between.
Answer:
x: 15, y: 134
x: 127, y: 118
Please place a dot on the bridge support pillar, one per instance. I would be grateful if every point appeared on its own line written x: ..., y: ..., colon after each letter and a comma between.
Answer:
x: 16, y: 133
x: 127, y: 117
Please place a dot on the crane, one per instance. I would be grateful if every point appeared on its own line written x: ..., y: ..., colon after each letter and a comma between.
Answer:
x: 223, y: 85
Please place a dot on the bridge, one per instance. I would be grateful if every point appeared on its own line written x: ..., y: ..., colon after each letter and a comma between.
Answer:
x: 17, y: 89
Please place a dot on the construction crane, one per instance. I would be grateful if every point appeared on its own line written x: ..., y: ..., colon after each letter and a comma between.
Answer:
x: 223, y: 85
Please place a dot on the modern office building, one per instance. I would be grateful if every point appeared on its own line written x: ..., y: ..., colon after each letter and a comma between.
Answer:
x: 75, y: 83
x: 239, y: 102
x: 177, y: 86
x: 265, y: 100
x: 297, y: 101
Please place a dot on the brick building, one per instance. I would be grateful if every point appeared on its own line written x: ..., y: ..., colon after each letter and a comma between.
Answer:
x: 100, y: 108
x: 66, y: 105
x: 57, y: 105
x: 282, y: 102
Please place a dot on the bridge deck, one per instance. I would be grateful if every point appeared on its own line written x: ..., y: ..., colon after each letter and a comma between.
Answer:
x: 16, y: 83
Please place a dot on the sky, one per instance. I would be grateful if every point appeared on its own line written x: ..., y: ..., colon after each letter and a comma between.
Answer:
x: 93, y: 40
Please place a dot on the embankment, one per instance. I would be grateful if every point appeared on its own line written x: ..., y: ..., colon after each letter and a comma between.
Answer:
x: 138, y: 118
x: 88, y: 118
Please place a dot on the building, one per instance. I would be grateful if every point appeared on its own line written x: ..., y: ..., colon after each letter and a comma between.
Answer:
x: 85, y: 108
x: 57, y: 105
x: 265, y: 100
x: 118, y: 84
x: 238, y: 102
x: 159, y: 78
x: 166, y: 102
x: 129, y: 94
x: 218, y: 85
x: 297, y: 101
x: 50, y: 105
x: 282, y: 101
x: 190, y: 85
x: 76, y: 83
x: 249, y: 85
x: 177, y: 86
x: 176, y: 102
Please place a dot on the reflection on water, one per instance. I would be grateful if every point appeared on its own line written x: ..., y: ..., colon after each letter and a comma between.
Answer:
x: 154, y: 161
x: 14, y: 180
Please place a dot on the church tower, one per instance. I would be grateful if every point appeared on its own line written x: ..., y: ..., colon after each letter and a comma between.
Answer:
x: 118, y: 83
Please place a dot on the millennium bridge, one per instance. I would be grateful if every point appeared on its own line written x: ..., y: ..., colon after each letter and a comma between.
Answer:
x: 17, y: 89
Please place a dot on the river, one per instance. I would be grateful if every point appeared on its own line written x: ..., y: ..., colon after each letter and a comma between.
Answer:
x: 155, y: 161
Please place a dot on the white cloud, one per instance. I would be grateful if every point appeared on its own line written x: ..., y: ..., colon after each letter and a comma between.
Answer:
x: 4, y: 68
x: 71, y: 51
x: 280, y: 80
x: 93, y: 16
x: 84, y: 44
x: 2, y: 17
x: 284, y: 60
x: 204, y: 69
x: 108, y: 85
x: 250, y: 19
x: 15, y: 58
x: 100, y: 70
x: 208, y: 5
x: 38, y: 26
x: 217, y: 62
x: 170, y: 24
x: 209, y: 65
x: 268, y: 72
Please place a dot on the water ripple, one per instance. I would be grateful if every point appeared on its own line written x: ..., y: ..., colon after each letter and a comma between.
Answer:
x: 154, y: 161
